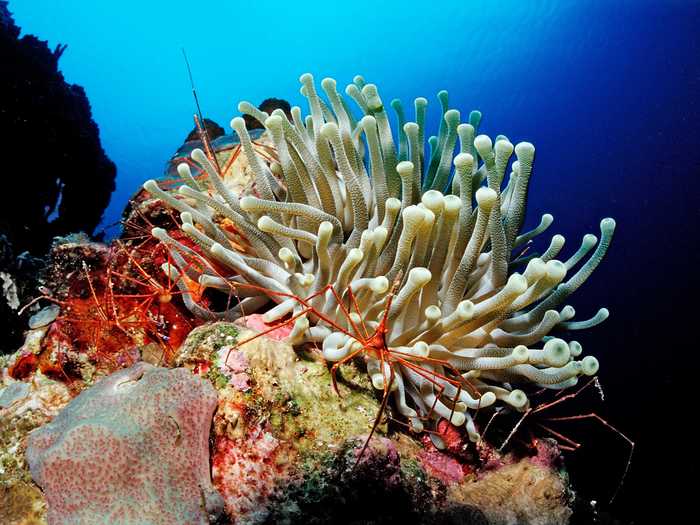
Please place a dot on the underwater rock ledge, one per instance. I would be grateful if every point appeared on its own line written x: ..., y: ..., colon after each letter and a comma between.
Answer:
x: 285, y: 448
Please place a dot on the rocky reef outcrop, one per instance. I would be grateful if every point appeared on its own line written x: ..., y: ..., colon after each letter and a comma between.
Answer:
x: 288, y: 449
x: 55, y: 169
x: 283, y: 446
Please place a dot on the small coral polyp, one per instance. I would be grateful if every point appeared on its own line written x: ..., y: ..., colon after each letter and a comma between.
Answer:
x: 374, y: 250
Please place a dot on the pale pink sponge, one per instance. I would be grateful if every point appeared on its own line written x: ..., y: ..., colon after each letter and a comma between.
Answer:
x: 131, y: 449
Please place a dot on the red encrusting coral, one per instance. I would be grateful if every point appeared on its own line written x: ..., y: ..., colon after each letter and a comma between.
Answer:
x: 24, y: 366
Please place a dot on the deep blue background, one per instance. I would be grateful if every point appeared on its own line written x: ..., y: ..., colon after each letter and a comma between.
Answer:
x: 607, y: 91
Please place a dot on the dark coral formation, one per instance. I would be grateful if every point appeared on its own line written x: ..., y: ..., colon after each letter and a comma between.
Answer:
x: 52, y: 146
x: 214, y: 131
x: 20, y: 276
x: 268, y: 106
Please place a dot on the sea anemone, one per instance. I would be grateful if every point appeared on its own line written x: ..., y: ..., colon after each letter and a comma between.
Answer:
x: 374, y: 250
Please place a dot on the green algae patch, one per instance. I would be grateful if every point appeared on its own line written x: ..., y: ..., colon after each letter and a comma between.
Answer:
x: 202, y: 351
x: 293, y: 393
x: 22, y: 503
x: 205, y: 340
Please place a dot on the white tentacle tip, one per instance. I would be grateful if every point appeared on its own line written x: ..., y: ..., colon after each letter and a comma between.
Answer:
x: 329, y: 130
x: 452, y: 204
x: 589, y: 365
x: 525, y: 150
x: 405, y: 168
x: 433, y: 200
x: 248, y: 203
x: 463, y: 161
x: 355, y: 255
x: 465, y: 310
x: 556, y: 270
x: 504, y: 148
x: 486, y: 198
x: 368, y: 121
x: 159, y: 233
x: 274, y: 122
x: 420, y: 276
x: 325, y: 229
x: 329, y: 84
x: 589, y: 240
x: 556, y: 352
x: 607, y: 225
x: 520, y: 353
x: 183, y: 169
x: 517, y: 284
x: 238, y: 124
x: 487, y: 399
x: 433, y: 313
x: 379, y: 285
x: 198, y: 155
x: 517, y: 398
x: 412, y: 214
x: 575, y: 348
x: 411, y: 128
x: 393, y: 204
x: 452, y: 117
x: 266, y: 223
x: 483, y: 145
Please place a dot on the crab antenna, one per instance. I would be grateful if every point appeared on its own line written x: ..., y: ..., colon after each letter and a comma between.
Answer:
x: 194, y: 90
x: 201, y: 125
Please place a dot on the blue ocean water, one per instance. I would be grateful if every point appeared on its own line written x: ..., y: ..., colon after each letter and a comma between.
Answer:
x: 607, y: 91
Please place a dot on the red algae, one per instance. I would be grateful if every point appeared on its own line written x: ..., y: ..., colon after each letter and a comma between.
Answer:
x: 245, y: 470
x: 256, y: 322
x: 24, y: 366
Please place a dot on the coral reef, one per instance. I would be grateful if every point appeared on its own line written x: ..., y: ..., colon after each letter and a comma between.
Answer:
x: 286, y: 448
x: 390, y: 256
x: 48, y: 121
x: 140, y: 423
x: 378, y: 332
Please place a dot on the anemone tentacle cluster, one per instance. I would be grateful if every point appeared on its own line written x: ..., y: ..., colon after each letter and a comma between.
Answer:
x: 423, y: 242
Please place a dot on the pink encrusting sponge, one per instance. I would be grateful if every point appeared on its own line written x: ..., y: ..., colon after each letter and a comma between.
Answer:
x: 131, y: 449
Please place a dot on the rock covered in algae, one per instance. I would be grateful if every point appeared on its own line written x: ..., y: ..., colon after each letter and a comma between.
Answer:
x: 24, y: 406
x: 288, y: 449
x: 131, y: 449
